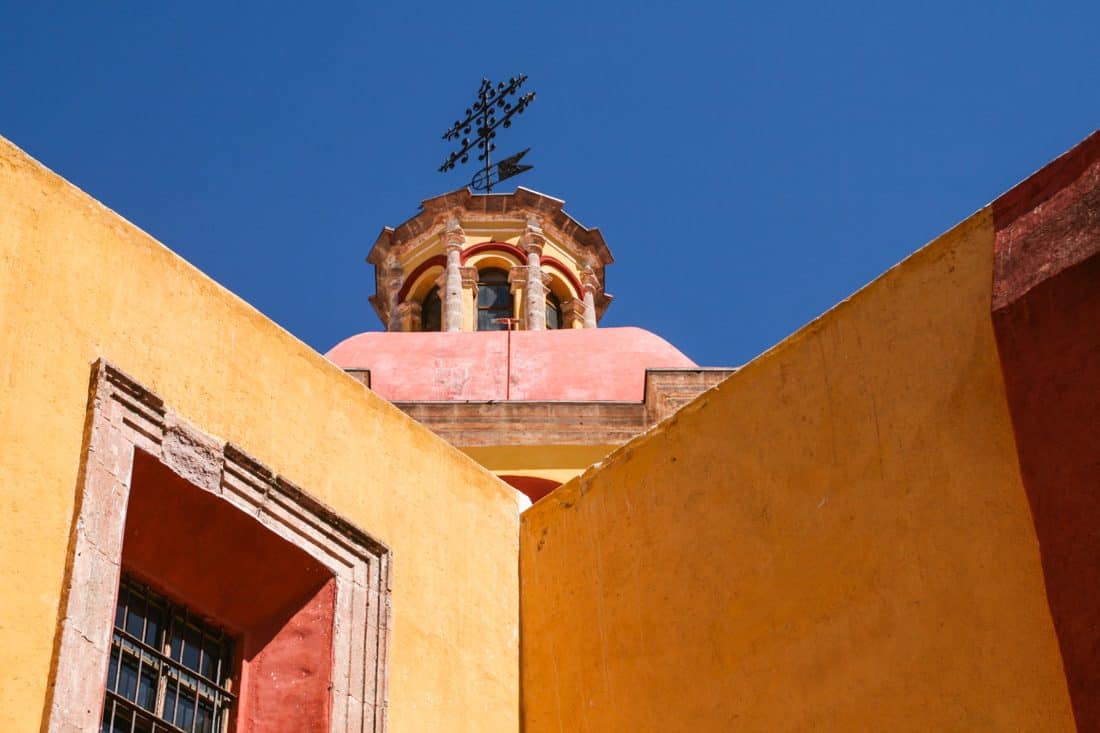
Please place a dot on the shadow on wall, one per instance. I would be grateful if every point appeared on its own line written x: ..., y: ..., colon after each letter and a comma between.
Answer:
x: 1047, y: 322
x: 280, y: 602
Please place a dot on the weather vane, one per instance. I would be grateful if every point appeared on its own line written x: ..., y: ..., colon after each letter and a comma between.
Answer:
x: 492, y: 109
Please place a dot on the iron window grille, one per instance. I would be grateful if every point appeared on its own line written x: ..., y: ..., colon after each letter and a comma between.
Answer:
x: 494, y: 300
x: 553, y: 312
x: 169, y: 672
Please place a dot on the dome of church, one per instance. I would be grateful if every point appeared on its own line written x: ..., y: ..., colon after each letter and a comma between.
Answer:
x: 605, y: 364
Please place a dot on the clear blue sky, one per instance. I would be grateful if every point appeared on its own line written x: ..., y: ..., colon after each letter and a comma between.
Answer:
x: 797, y: 150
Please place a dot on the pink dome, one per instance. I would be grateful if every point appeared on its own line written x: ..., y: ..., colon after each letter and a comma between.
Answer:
x: 598, y: 364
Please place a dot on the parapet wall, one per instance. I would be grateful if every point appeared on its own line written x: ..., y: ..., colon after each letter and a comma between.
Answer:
x: 837, y: 537
x: 79, y: 283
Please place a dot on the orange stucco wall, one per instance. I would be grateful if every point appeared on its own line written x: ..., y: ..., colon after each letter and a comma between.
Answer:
x: 1046, y: 315
x: 835, y: 538
x: 77, y: 282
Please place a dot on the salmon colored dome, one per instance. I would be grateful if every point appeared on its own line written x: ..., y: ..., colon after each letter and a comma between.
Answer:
x: 596, y: 364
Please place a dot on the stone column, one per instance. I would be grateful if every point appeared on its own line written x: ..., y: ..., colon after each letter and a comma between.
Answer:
x: 453, y: 239
x: 409, y: 315
x: 395, y: 278
x: 572, y: 313
x: 590, y: 283
x: 534, y: 290
x: 469, y: 294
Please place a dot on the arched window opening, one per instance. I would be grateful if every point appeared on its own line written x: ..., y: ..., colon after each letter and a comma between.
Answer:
x: 553, y: 311
x: 494, y: 299
x: 431, y: 311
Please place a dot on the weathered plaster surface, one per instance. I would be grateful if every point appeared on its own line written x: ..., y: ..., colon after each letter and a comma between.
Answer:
x: 78, y: 282
x: 126, y: 418
x: 1047, y: 319
x: 606, y: 364
x: 836, y: 537
x: 549, y: 423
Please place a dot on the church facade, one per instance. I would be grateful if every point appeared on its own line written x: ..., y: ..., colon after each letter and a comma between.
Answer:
x: 885, y: 522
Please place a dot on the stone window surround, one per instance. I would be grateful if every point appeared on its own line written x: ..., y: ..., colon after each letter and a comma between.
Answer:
x: 124, y: 417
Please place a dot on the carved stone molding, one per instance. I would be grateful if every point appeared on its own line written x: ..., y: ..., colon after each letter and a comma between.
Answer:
x: 589, y: 279
x: 124, y: 417
x: 469, y: 277
x: 591, y: 285
x: 560, y: 422
x: 445, y: 221
x: 408, y: 316
x: 394, y: 276
x: 533, y: 239
x: 572, y: 312
x: 452, y: 235
x: 519, y: 277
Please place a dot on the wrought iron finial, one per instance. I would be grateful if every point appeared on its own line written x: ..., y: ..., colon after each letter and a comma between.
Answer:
x: 494, y: 108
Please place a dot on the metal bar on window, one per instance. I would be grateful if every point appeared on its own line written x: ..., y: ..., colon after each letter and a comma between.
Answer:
x: 155, y: 659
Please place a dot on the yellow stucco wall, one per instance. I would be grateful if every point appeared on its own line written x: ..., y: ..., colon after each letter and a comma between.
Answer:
x: 77, y: 283
x: 835, y: 538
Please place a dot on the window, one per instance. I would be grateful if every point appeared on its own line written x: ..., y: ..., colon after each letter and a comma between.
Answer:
x: 169, y: 670
x: 553, y: 311
x: 494, y: 299
x: 170, y: 486
x: 431, y: 311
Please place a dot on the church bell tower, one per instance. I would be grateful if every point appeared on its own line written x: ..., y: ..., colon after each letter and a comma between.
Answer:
x: 490, y: 262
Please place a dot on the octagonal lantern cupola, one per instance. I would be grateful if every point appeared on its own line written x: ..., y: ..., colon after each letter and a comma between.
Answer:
x: 487, y: 262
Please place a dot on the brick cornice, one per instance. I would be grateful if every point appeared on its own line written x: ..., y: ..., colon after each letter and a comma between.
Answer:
x: 530, y: 423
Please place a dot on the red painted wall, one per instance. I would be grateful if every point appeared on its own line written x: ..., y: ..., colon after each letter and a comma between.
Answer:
x: 534, y: 487
x: 1046, y: 315
x: 225, y: 565
x: 287, y: 667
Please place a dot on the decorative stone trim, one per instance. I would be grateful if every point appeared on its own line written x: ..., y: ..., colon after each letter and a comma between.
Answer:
x: 533, y: 238
x: 453, y: 238
x: 573, y: 312
x: 473, y: 424
x: 394, y: 275
x: 452, y: 220
x: 124, y: 417
x: 469, y: 277
x: 517, y: 277
x: 589, y: 279
x: 452, y: 235
x: 532, y: 243
x: 591, y: 283
x: 409, y: 315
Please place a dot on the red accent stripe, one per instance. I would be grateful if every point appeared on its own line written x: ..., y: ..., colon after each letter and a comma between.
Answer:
x: 494, y: 247
x: 503, y: 247
x: 423, y: 267
x: 518, y: 254
x: 566, y: 273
